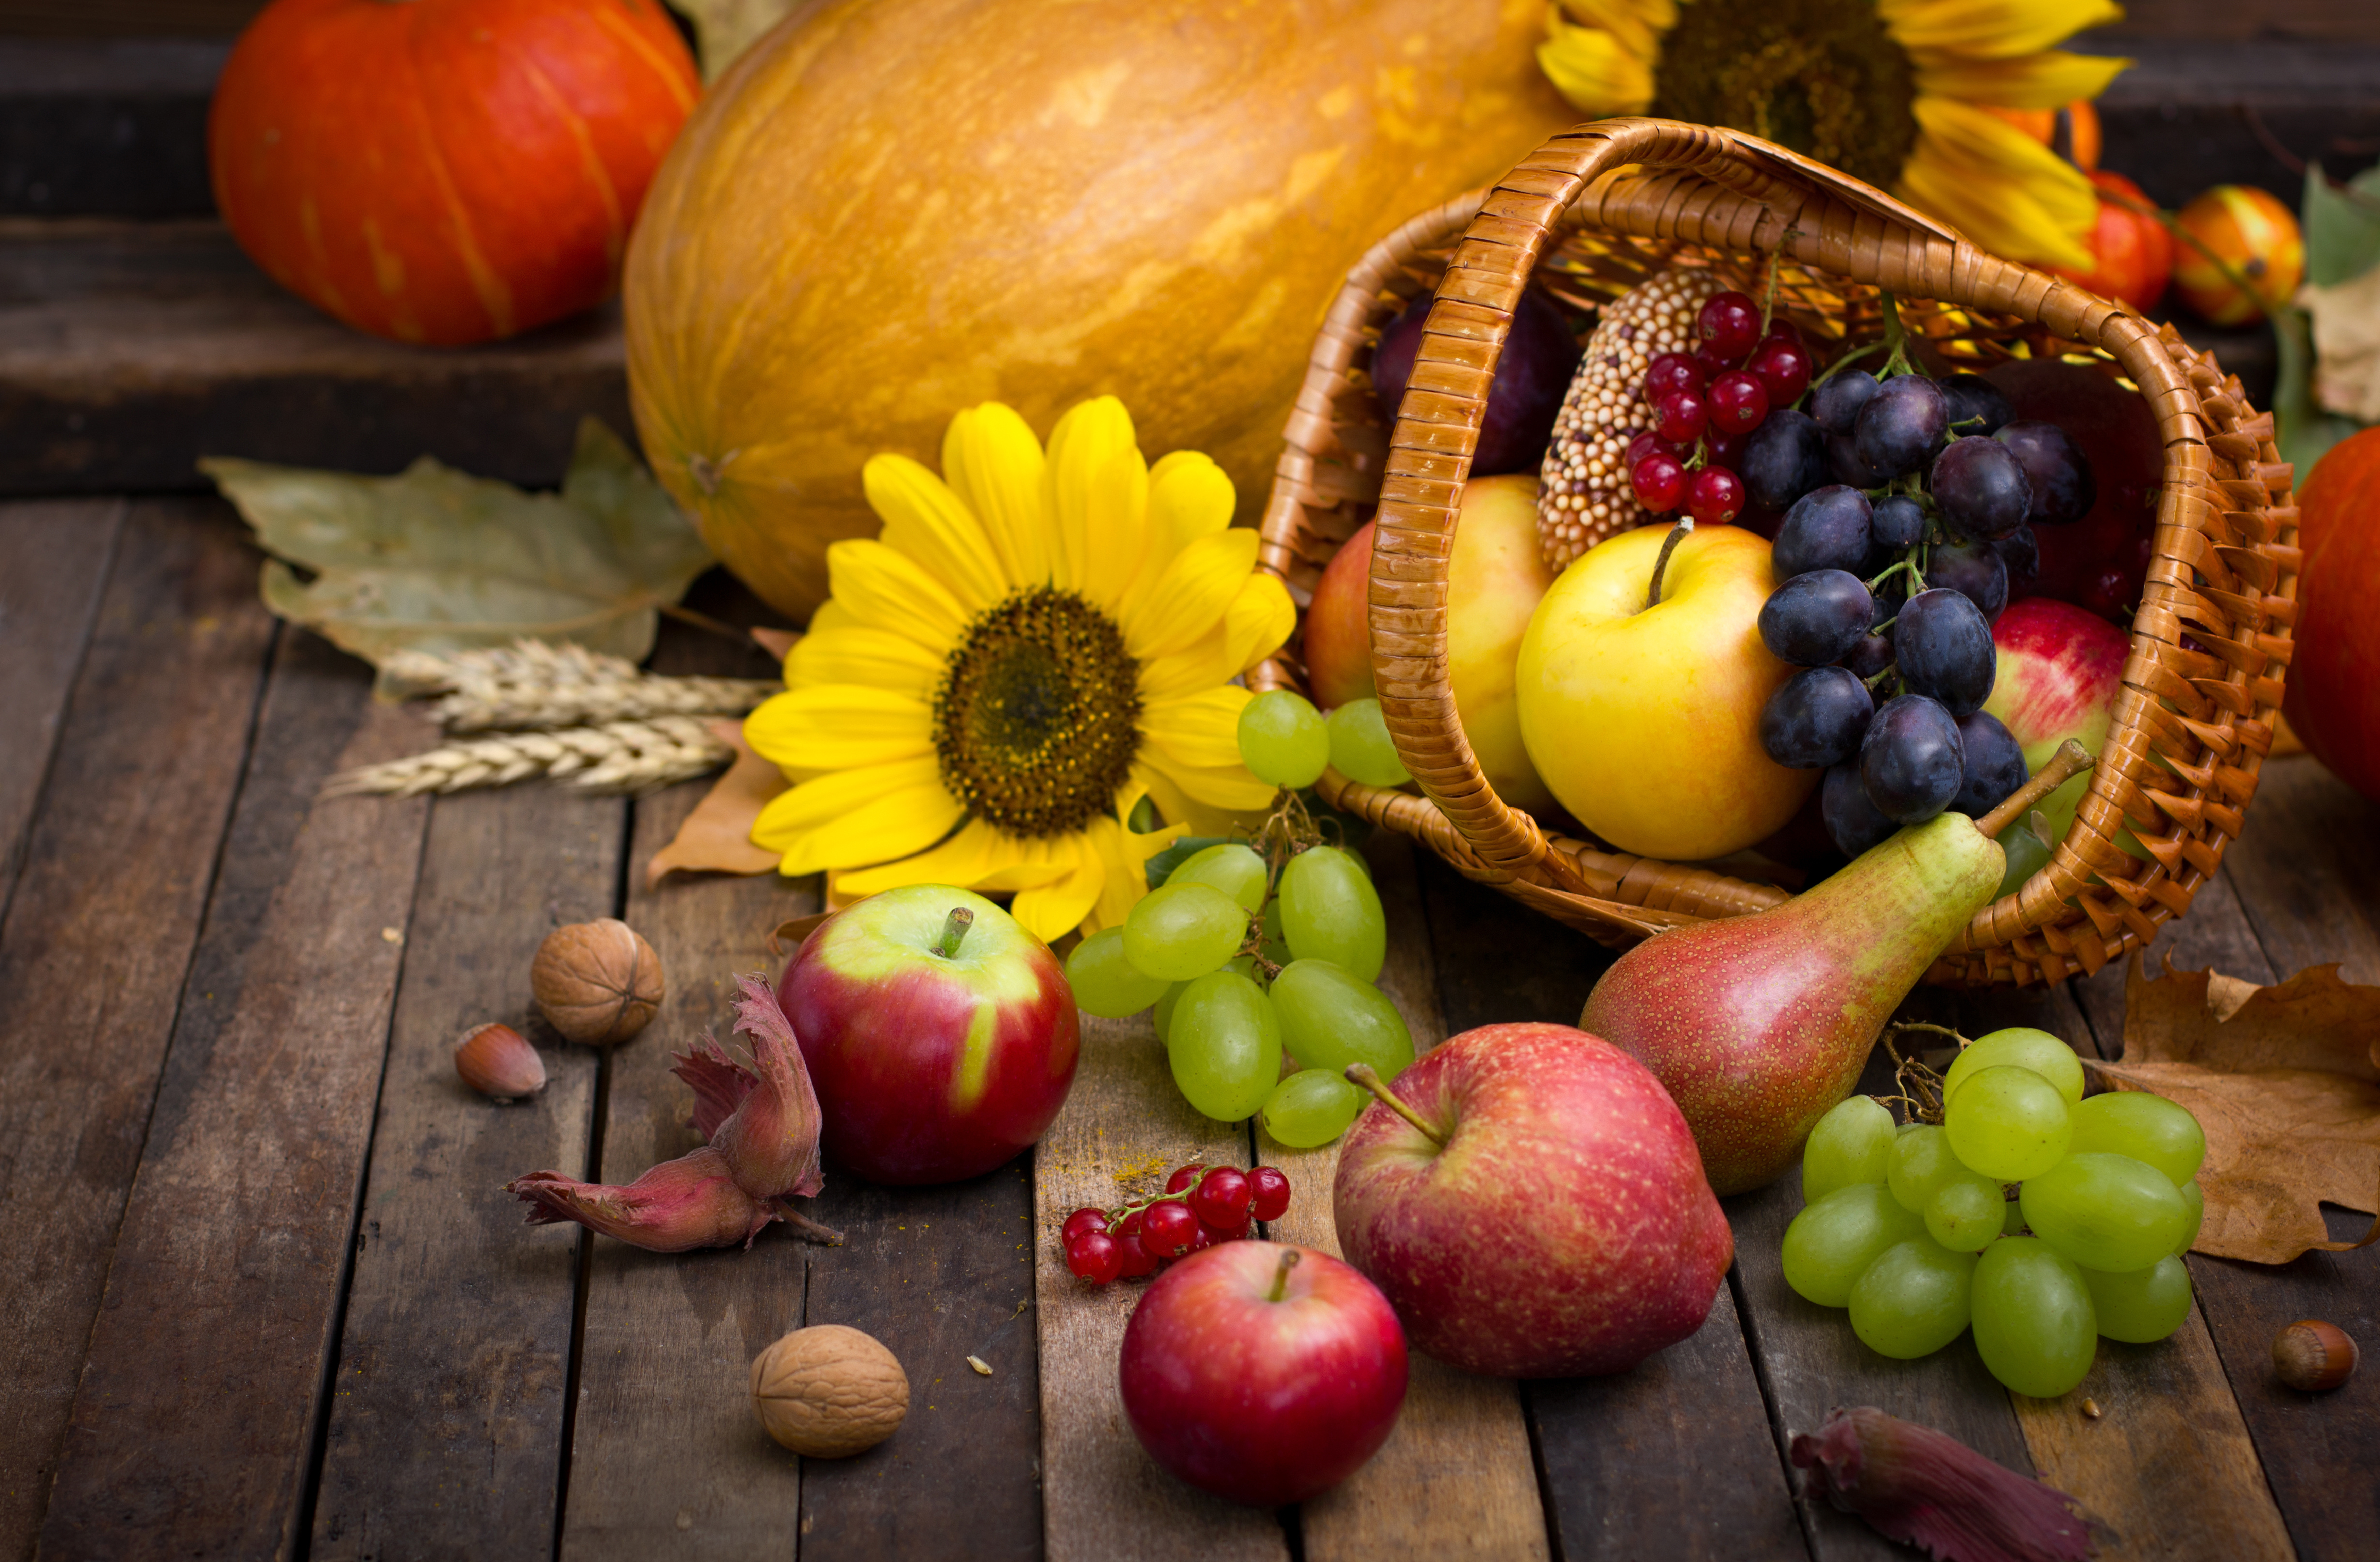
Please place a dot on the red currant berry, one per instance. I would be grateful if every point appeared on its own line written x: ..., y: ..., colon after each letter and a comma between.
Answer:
x: 1201, y: 1237
x: 1738, y: 402
x: 1716, y: 497
x: 1645, y: 444
x: 1082, y: 1221
x: 1136, y: 1259
x: 1127, y: 1226
x: 1659, y: 482
x: 1221, y: 1197
x: 1784, y: 369
x: 1095, y: 1257
x: 1782, y: 330
x: 1166, y: 1228
x: 1729, y: 326
x: 1724, y: 450
x: 1681, y: 417
x: 1184, y: 1176
x: 1670, y: 373
x: 1226, y: 1233
x: 1270, y: 1185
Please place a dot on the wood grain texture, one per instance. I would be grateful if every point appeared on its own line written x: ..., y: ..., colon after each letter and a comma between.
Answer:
x: 448, y: 1398
x: 98, y: 938
x: 53, y: 558
x: 2306, y: 878
x: 194, y: 1423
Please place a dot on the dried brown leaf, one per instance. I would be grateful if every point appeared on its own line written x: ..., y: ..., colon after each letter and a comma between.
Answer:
x: 2286, y: 1081
x: 717, y: 837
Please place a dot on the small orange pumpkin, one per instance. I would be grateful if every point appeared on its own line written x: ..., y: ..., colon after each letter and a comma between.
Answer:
x: 445, y: 171
x: 2133, y: 253
x: 2333, y: 697
x: 2256, y: 236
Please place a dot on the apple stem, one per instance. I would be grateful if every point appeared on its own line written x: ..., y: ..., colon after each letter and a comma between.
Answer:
x: 1281, y: 1275
x: 953, y: 931
x: 1367, y: 1076
x: 2070, y: 760
x: 1669, y: 545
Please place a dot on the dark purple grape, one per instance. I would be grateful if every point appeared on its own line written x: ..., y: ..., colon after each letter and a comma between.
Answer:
x: 1980, y: 487
x: 1814, y: 619
x: 1974, y: 570
x: 1835, y: 406
x: 1943, y: 644
x: 2063, y: 488
x: 1977, y: 406
x: 1870, y: 656
x: 1852, y: 823
x: 1845, y: 466
x: 1910, y: 762
x: 1992, y: 765
x: 1899, y: 522
x: 1899, y: 424
x: 1826, y: 530
x: 2020, y: 550
x: 1532, y: 374
x: 1816, y: 718
x: 1783, y: 459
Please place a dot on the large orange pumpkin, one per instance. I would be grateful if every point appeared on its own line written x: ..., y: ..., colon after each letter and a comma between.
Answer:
x: 2334, y: 684
x: 889, y: 209
x: 445, y: 171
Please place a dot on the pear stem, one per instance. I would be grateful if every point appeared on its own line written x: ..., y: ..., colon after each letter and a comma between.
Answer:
x: 1367, y: 1076
x: 955, y: 930
x: 2070, y: 760
x: 1281, y: 1275
x: 1669, y: 545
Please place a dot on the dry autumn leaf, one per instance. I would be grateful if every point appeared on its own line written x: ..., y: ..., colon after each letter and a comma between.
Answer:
x: 2286, y: 1081
x: 717, y: 837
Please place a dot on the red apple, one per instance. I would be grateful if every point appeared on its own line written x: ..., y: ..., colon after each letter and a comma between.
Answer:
x: 1553, y: 1220
x: 939, y: 1048
x: 2060, y: 669
x: 2100, y: 561
x: 1261, y: 1372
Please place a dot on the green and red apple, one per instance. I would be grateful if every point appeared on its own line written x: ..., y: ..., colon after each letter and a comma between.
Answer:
x: 2060, y: 670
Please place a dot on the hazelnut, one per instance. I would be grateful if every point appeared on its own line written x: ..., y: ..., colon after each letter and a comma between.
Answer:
x: 498, y: 1062
x: 597, y: 982
x: 829, y: 1392
x: 2312, y: 1355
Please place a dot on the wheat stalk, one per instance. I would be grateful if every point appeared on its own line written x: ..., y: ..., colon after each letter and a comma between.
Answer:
x: 617, y: 757
x: 530, y: 684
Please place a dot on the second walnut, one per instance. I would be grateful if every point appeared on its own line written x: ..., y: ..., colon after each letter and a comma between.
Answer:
x: 597, y: 982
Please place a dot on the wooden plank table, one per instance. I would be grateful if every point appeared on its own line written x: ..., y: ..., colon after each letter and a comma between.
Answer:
x: 269, y: 1300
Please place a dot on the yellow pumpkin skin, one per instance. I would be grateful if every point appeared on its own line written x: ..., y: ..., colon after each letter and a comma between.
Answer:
x: 889, y: 209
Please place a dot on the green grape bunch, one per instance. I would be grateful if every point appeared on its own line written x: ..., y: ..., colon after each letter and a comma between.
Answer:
x: 2038, y: 1218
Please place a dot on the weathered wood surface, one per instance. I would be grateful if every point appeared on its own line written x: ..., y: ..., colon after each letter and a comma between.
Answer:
x: 53, y: 557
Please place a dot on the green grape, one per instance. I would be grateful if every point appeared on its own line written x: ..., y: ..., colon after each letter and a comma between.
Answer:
x: 1276, y: 947
x: 1162, y: 1015
x: 2106, y: 1212
x: 1919, y: 1165
x: 1182, y: 931
x: 1105, y: 983
x: 1232, y: 867
x: 1361, y: 748
x: 2034, y: 1325
x: 1913, y: 1300
x: 1851, y: 1144
x: 1225, y: 1047
x: 1330, y: 910
x: 2008, y: 1123
x: 1283, y: 740
x: 2019, y: 1047
x: 1831, y: 1244
x: 1966, y: 1213
x: 2146, y: 1127
x: 1311, y: 1107
x: 2196, y: 1200
x: 1329, y: 1020
x: 2143, y: 1306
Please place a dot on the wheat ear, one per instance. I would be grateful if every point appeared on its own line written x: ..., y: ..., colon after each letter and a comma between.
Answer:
x: 617, y: 757
x: 531, y: 684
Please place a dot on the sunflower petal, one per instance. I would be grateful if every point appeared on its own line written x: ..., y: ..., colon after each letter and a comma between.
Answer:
x: 1991, y: 30
x: 963, y: 861
x: 1258, y: 622
x: 1177, y: 808
x: 1114, y: 539
x: 926, y: 520
x: 836, y: 726
x: 1189, y: 497
x: 994, y: 463
x: 1638, y: 24
x: 886, y: 590
x: 1200, y: 730
x: 856, y: 654
x: 1052, y: 910
x: 1594, y: 69
x: 1229, y: 788
x: 1193, y: 595
x: 1092, y: 434
x: 2048, y: 80
x: 850, y: 819
x: 1997, y: 185
x: 1125, y: 852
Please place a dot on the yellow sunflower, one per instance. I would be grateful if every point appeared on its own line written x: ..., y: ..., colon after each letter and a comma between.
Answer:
x: 1910, y: 95
x: 1037, y: 643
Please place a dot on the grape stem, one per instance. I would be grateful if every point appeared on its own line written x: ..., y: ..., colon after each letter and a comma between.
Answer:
x: 1895, y: 339
x: 954, y: 930
x: 1369, y: 1078
x: 1669, y: 545
x: 1281, y: 1275
x: 1848, y: 359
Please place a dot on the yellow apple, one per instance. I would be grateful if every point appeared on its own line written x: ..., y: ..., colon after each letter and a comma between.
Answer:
x: 1645, y: 722
x: 1494, y: 580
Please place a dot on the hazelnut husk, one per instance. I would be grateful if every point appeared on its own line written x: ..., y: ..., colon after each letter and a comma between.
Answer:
x: 597, y: 982
x: 829, y: 1392
x: 498, y: 1062
x: 2312, y: 1355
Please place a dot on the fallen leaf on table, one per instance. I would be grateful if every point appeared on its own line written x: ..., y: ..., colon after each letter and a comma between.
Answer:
x: 717, y: 837
x: 2286, y: 1081
x: 434, y: 560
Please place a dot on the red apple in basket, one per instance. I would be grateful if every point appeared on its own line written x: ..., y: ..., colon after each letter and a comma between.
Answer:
x: 1544, y: 1213
x: 1262, y: 1373
x: 2060, y: 670
x: 941, y: 1035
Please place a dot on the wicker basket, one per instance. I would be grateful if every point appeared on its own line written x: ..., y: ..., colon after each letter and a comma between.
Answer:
x: 1601, y: 207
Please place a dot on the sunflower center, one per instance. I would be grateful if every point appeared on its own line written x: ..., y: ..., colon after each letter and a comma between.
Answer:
x: 1821, y: 77
x: 1038, y: 717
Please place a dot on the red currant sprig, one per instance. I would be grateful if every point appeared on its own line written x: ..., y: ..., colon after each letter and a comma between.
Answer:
x: 1201, y: 1206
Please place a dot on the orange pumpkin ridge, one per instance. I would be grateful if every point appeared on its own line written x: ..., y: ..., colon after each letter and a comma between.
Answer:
x: 2333, y: 694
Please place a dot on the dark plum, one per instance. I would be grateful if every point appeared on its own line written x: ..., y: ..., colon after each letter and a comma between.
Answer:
x: 1783, y: 459
x: 1845, y: 466
x: 1853, y: 823
x: 1900, y: 522
x: 1943, y: 645
x: 2020, y: 550
x: 2062, y: 486
x: 1816, y: 718
x: 1992, y: 765
x: 1910, y: 762
x: 1899, y: 424
x: 1826, y: 530
x: 1532, y: 374
x: 1835, y: 406
x: 1813, y: 619
x: 1977, y: 406
x: 1870, y: 656
x: 1980, y: 487
x: 1974, y: 570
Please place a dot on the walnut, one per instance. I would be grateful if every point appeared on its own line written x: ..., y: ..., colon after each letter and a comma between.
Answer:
x: 829, y: 1392
x: 597, y: 982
